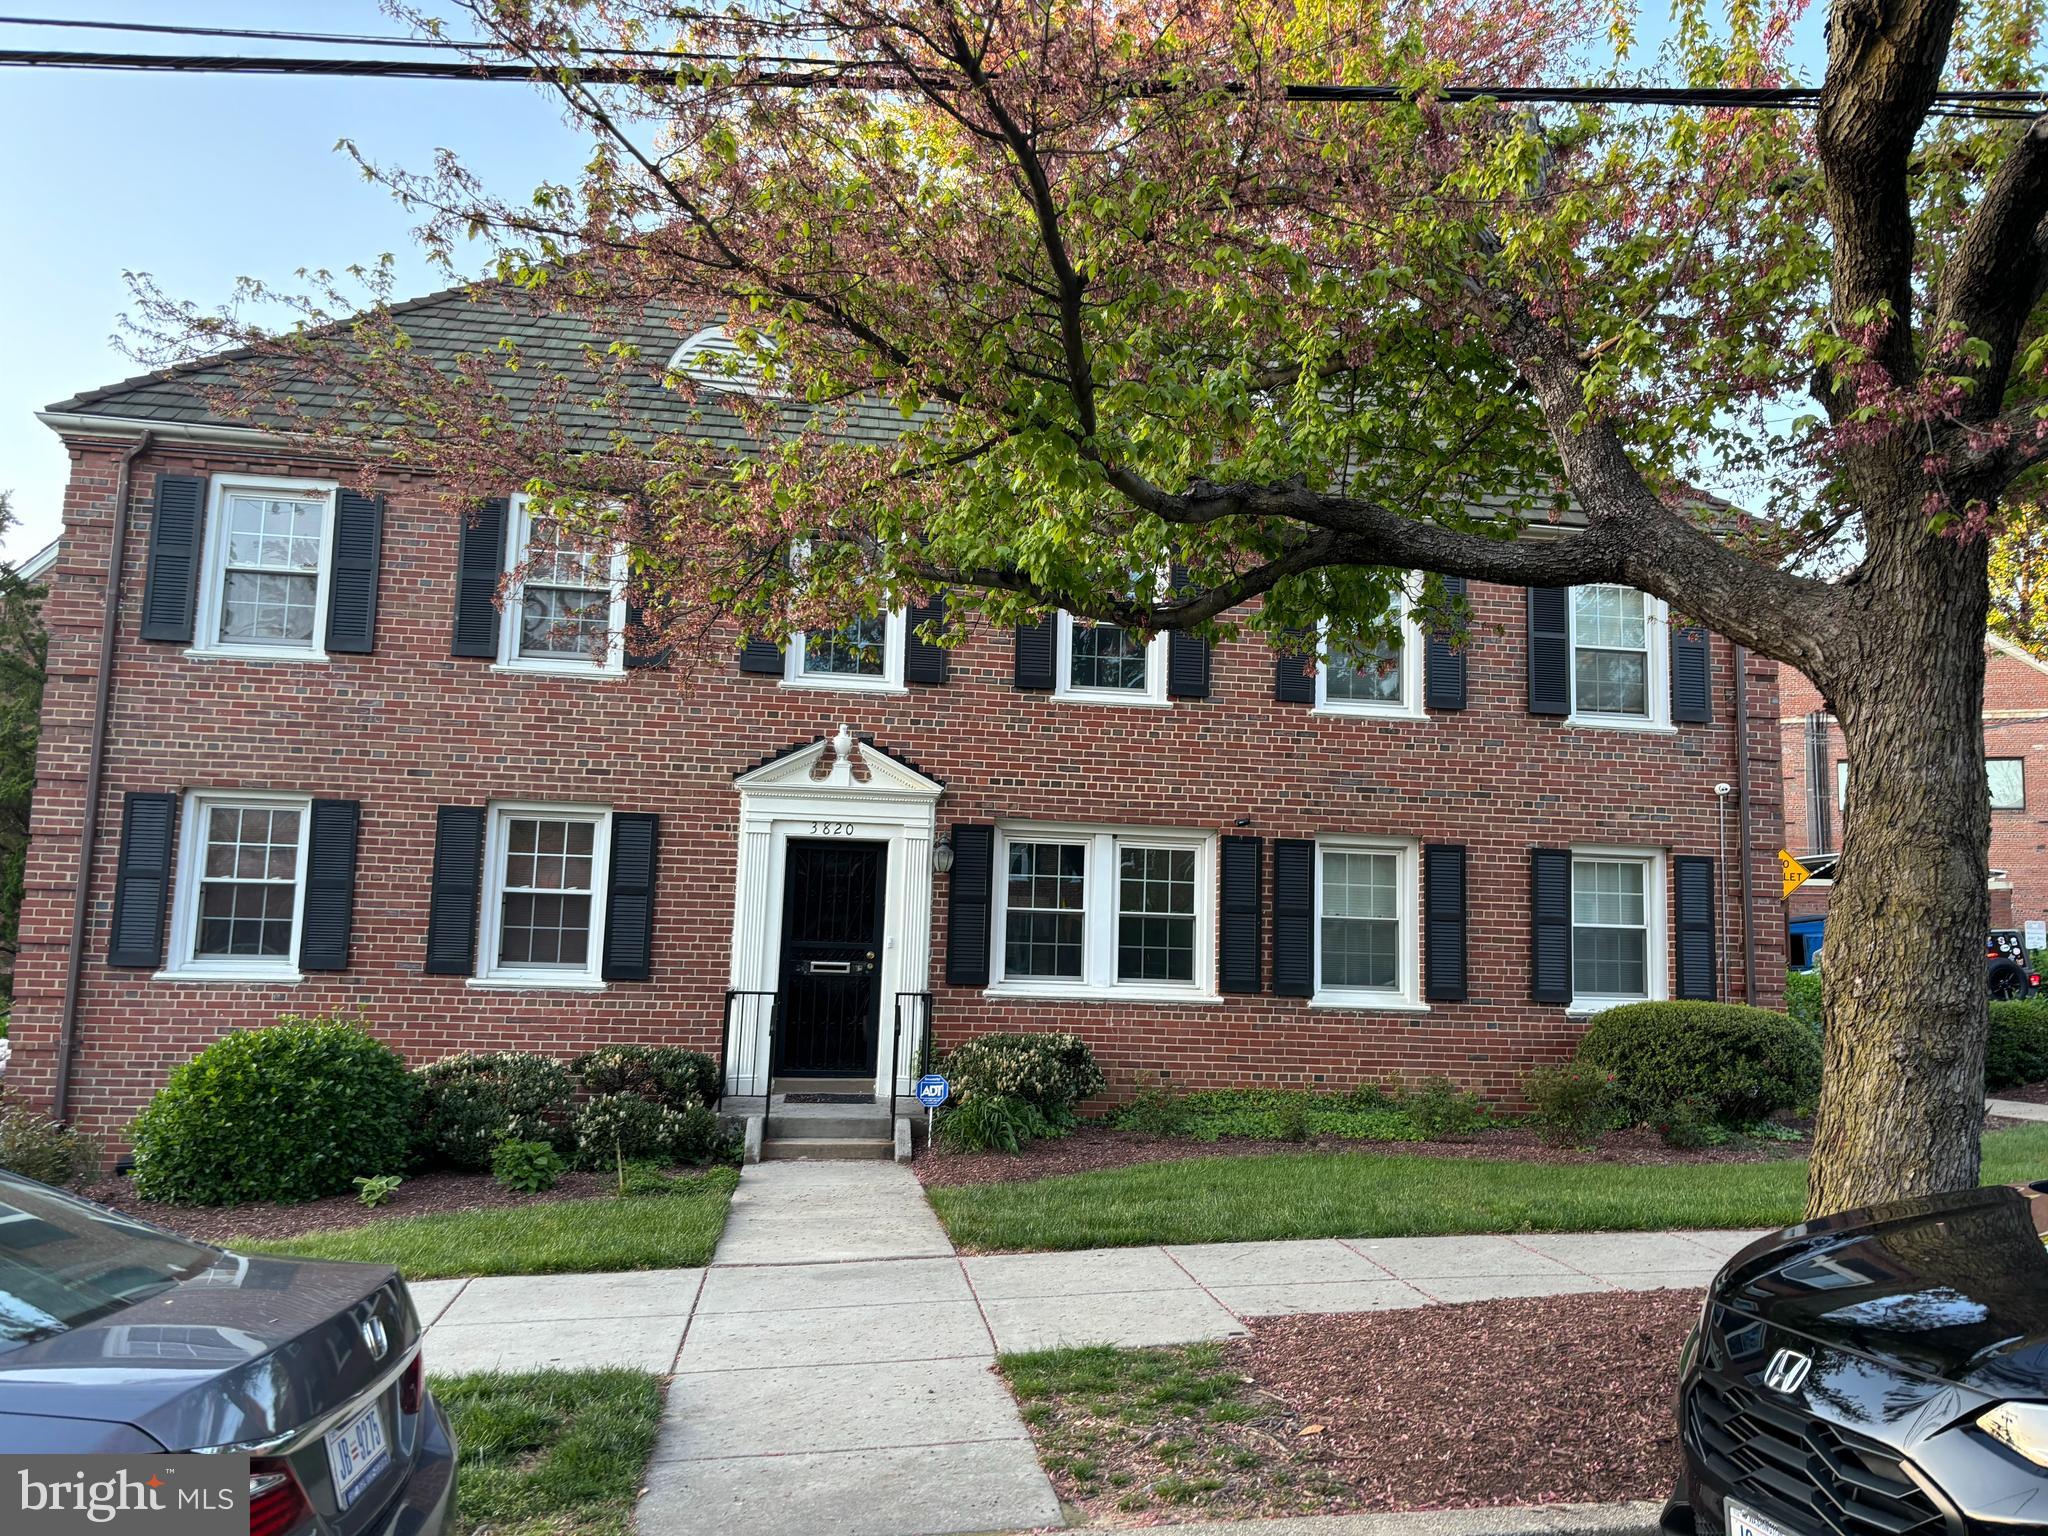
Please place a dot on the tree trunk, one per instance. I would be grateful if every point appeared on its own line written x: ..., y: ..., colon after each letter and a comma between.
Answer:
x: 1902, y: 1087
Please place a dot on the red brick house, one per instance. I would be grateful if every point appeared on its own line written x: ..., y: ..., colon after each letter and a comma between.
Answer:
x: 1816, y: 779
x: 312, y: 761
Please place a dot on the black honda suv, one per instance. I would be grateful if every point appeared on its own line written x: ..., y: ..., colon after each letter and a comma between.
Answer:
x: 1876, y: 1373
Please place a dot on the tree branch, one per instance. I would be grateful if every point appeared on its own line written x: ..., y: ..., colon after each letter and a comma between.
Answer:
x: 2000, y: 267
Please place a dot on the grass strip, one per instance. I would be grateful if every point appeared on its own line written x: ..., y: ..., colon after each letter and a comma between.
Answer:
x: 550, y: 1453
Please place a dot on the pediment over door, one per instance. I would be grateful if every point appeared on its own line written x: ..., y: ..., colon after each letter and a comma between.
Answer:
x: 841, y: 764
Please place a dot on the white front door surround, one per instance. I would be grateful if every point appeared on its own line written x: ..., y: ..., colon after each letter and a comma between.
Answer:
x: 835, y: 788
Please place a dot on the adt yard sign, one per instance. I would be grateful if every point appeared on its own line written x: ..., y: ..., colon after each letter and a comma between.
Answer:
x: 933, y: 1090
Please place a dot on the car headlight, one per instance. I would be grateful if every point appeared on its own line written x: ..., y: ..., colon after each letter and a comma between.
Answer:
x: 2023, y: 1426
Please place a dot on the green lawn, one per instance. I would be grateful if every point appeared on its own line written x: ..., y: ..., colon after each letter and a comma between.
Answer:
x: 554, y: 1453
x: 670, y: 1231
x: 1362, y: 1194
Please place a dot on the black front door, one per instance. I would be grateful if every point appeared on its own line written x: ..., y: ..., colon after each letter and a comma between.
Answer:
x: 831, y: 959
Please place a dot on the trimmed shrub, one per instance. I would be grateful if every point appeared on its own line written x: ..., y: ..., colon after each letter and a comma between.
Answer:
x: 624, y: 1125
x: 1051, y: 1072
x: 662, y: 1074
x: 527, y: 1166
x: 1572, y: 1105
x: 993, y: 1122
x: 1736, y: 1064
x: 1802, y: 998
x: 37, y: 1147
x: 1155, y: 1110
x: 474, y: 1101
x: 2016, y: 1050
x: 288, y: 1113
x: 1437, y: 1109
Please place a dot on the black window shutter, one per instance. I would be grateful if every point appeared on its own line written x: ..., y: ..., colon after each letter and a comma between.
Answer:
x: 330, y: 885
x: 967, y: 905
x: 1294, y: 917
x: 924, y: 662
x: 1241, y: 902
x: 761, y: 656
x: 1443, y: 663
x: 1294, y: 668
x: 1035, y: 649
x: 1550, y: 651
x: 1187, y: 656
x: 479, y: 563
x: 636, y: 620
x: 457, y: 885
x: 352, y: 586
x: 1550, y: 925
x: 1692, y: 696
x: 1693, y: 895
x: 142, y: 880
x: 629, y: 897
x: 170, y: 586
x: 1443, y: 922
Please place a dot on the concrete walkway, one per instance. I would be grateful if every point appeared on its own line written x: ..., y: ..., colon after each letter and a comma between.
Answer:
x: 2016, y: 1109
x: 831, y: 1367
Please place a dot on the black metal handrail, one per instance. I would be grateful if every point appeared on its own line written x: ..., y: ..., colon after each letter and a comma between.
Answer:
x: 740, y: 1005
x: 920, y: 1004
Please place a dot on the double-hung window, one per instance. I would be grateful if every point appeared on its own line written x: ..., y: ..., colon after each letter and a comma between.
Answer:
x: 1365, y: 923
x: 565, y: 609
x: 2006, y: 777
x: 264, y: 588
x: 1617, y: 928
x: 1105, y: 664
x: 543, y: 910
x: 240, y: 883
x: 1105, y: 913
x: 864, y: 653
x: 1620, y: 657
x: 1383, y: 679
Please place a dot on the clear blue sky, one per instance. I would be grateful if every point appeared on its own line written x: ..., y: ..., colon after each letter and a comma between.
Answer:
x: 198, y: 180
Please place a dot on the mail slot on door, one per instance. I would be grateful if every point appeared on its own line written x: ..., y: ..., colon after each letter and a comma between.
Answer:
x: 834, y: 967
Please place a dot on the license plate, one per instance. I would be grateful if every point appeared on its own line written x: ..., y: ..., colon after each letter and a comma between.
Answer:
x: 356, y: 1452
x: 1742, y: 1523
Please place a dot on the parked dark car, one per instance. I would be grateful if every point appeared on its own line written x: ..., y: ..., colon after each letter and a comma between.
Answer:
x: 1876, y: 1373
x: 116, y: 1336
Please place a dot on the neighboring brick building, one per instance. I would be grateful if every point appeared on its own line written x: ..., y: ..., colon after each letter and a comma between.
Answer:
x: 1815, y: 776
x: 1217, y: 867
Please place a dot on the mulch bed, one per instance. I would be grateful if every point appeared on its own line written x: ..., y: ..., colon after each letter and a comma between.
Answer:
x: 1097, y: 1146
x: 425, y: 1194
x: 2027, y: 1093
x: 1555, y: 1399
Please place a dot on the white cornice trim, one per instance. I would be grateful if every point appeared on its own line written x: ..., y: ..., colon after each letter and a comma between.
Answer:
x: 87, y: 424
x: 2005, y: 647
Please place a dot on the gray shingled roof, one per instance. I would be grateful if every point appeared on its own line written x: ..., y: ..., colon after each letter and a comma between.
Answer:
x: 462, y: 322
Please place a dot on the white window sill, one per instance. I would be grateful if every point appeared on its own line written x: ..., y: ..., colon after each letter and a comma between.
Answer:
x: 253, y: 976
x: 1365, y: 1002
x: 1619, y: 723
x: 555, y: 669
x: 251, y: 653
x: 1115, y: 700
x: 536, y: 984
x: 1368, y: 712
x: 1076, y: 993
x: 846, y: 684
x: 1587, y: 1007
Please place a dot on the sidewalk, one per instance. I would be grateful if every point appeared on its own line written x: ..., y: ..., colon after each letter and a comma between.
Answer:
x: 2016, y: 1109
x: 831, y: 1366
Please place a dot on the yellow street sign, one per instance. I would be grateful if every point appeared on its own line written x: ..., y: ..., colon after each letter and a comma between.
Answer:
x: 1796, y: 873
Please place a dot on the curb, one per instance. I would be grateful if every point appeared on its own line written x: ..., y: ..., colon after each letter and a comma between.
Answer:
x: 1636, y: 1519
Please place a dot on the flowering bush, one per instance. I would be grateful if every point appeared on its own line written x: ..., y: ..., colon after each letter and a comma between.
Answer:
x: 1050, y: 1072
x: 1573, y: 1104
x: 663, y: 1074
x: 474, y: 1101
x: 616, y: 1126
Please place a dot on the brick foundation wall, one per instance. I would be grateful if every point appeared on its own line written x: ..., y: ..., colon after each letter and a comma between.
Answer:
x: 410, y: 728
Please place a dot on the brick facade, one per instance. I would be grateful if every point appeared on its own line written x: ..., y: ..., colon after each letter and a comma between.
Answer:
x: 2015, y: 727
x: 410, y: 728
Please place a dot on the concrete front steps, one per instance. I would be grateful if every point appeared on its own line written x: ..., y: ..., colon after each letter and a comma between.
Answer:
x: 826, y: 1132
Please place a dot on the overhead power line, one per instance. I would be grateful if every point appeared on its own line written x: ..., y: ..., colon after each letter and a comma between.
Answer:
x: 797, y: 73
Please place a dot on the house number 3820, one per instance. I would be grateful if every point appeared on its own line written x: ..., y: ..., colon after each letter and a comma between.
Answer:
x: 831, y: 829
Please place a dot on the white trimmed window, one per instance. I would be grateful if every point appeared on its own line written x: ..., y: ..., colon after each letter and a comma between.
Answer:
x: 240, y: 887
x: 565, y: 608
x: 1104, y: 913
x: 263, y: 591
x: 1366, y: 943
x: 1620, y: 671
x: 867, y: 653
x: 1383, y: 680
x: 544, y: 885
x: 1617, y: 928
x: 2006, y: 778
x: 1104, y: 664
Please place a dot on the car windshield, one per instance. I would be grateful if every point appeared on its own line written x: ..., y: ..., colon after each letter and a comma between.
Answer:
x: 65, y: 1262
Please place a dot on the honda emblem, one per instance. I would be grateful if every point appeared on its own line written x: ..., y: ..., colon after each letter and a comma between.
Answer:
x: 1787, y: 1371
